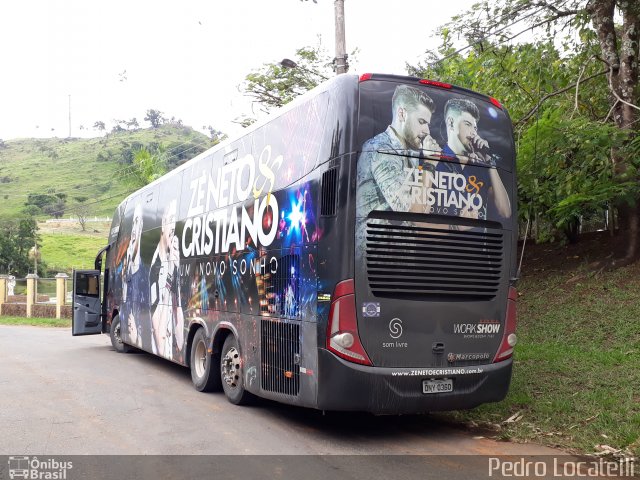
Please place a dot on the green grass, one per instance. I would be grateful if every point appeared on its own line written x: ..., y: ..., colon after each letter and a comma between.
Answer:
x: 93, y: 168
x: 576, y: 378
x: 36, y: 322
x: 63, y: 252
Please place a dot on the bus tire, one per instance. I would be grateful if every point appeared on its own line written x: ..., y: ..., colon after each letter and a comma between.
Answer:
x: 204, y: 375
x: 231, y: 373
x: 116, y: 339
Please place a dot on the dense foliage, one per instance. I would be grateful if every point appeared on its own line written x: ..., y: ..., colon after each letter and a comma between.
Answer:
x: 573, y: 96
x: 49, y: 203
x: 558, y: 102
x: 19, y: 235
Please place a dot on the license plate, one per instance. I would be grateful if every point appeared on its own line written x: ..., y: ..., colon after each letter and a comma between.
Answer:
x: 437, y: 386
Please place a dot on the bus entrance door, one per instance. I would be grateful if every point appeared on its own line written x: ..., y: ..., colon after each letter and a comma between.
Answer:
x: 86, y: 316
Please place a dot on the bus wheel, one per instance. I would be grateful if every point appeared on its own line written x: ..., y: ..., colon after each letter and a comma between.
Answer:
x: 204, y: 378
x: 116, y: 338
x: 231, y: 372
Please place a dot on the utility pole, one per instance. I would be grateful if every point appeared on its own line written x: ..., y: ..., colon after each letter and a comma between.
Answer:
x: 340, y: 62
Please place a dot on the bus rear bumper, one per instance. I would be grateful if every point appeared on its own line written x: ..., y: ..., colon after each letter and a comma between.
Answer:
x: 347, y: 386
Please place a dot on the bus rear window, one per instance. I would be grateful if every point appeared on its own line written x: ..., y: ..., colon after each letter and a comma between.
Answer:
x: 436, y: 122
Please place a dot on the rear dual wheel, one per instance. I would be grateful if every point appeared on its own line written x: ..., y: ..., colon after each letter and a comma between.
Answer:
x: 232, y: 373
x: 211, y: 372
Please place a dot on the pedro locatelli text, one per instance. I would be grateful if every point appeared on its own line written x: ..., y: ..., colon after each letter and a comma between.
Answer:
x: 559, y: 467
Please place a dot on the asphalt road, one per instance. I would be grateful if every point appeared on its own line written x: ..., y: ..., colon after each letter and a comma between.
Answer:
x: 61, y: 395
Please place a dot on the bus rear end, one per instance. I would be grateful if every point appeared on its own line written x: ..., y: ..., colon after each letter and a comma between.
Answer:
x: 428, y: 321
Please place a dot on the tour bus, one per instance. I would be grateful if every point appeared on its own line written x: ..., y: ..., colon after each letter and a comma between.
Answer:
x: 355, y: 251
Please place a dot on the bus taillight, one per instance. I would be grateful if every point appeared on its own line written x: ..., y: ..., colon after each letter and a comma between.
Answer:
x: 365, y: 76
x: 342, y: 331
x: 496, y: 102
x: 509, y: 338
x: 434, y: 83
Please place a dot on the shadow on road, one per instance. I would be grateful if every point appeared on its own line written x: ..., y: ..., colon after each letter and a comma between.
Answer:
x: 358, y: 426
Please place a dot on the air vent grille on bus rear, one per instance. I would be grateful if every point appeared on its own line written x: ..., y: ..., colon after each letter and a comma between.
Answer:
x: 433, y: 262
x: 329, y: 192
x: 280, y: 355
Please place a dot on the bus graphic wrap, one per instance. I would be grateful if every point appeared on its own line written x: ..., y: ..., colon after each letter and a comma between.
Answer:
x: 354, y: 252
x: 434, y: 223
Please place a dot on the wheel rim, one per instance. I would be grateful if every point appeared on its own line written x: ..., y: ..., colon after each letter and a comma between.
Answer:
x: 200, y: 359
x: 116, y: 334
x: 231, y: 368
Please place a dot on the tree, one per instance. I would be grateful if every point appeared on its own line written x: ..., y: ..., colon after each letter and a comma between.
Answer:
x: 177, y: 152
x: 571, y: 175
x: 18, y: 236
x: 100, y: 126
x: 536, y: 81
x: 154, y: 117
x: 82, y: 211
x: 273, y: 85
x: 133, y: 123
x: 55, y: 209
x: 244, y: 121
x: 147, y: 166
x: 613, y: 46
x: 217, y: 136
x: 51, y: 203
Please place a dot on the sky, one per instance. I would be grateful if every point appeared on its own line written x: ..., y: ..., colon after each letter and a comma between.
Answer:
x: 105, y: 60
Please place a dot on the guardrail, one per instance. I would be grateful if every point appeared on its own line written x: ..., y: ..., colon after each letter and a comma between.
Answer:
x: 21, y: 297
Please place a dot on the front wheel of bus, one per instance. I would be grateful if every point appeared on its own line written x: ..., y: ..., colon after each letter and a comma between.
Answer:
x: 231, y: 372
x: 116, y: 337
x: 204, y: 377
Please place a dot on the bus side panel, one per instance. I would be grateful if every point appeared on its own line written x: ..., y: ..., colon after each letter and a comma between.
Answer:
x: 232, y: 240
x: 267, y: 297
x: 113, y: 295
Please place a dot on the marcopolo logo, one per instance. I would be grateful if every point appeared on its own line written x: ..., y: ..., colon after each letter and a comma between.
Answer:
x: 476, y: 330
x: 34, y: 468
x: 466, y: 357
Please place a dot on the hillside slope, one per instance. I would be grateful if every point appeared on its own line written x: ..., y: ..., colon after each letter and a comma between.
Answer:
x: 94, y: 168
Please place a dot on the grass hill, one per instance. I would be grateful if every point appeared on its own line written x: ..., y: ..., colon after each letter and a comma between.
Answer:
x: 64, y: 246
x: 94, y: 170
